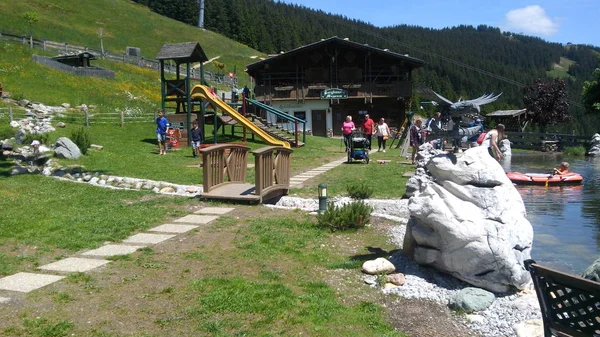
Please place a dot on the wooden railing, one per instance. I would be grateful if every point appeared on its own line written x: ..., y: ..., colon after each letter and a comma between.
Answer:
x: 272, y: 166
x: 537, y: 141
x: 224, y: 164
x: 311, y: 91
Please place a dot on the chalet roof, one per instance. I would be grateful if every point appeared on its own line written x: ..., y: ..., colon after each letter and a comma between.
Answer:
x: 75, y: 56
x: 507, y: 113
x: 186, y: 52
x: 415, y: 62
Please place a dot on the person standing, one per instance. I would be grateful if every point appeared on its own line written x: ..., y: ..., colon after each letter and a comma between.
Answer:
x: 382, y: 133
x: 434, y: 125
x: 246, y: 92
x: 196, y: 139
x: 416, y: 137
x: 347, y: 128
x: 368, y: 129
x: 491, y: 141
x: 161, y: 132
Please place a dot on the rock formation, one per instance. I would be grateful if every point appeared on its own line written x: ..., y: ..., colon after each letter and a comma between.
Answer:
x: 505, y: 147
x: 468, y: 220
x: 65, y: 148
x: 595, y: 147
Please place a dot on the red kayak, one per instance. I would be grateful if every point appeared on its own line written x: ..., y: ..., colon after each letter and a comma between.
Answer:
x: 544, y: 178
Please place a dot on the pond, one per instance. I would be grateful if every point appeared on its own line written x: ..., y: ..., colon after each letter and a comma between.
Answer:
x: 565, y: 219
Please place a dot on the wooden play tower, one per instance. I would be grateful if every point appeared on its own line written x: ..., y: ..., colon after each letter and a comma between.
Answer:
x: 178, y: 90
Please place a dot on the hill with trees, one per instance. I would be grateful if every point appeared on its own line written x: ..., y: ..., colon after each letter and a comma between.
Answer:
x: 462, y: 61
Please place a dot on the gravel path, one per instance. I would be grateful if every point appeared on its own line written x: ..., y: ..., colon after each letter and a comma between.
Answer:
x: 426, y: 283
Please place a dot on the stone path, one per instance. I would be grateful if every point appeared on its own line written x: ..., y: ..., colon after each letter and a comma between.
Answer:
x: 297, y: 181
x: 92, y: 259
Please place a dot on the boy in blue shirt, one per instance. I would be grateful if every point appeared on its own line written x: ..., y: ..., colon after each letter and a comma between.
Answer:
x: 196, y: 139
x: 161, y: 132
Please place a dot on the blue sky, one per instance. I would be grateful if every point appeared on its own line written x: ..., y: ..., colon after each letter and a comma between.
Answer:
x: 575, y: 21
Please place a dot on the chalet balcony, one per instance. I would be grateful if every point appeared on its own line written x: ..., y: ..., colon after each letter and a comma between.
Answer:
x: 313, y: 91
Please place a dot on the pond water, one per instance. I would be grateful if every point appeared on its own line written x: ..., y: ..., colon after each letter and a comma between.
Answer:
x: 565, y: 219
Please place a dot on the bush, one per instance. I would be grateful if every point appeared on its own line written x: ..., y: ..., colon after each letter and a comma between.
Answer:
x: 44, y: 138
x: 349, y: 216
x: 359, y: 191
x: 81, y: 138
x: 574, y: 151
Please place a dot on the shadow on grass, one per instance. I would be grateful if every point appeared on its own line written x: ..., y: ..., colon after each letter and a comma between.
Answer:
x: 375, y: 252
x: 149, y: 141
x: 5, y: 167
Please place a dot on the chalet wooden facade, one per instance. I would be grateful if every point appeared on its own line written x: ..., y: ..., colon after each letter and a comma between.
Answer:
x: 325, y: 81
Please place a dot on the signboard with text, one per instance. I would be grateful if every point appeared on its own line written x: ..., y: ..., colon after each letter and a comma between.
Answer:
x: 334, y: 94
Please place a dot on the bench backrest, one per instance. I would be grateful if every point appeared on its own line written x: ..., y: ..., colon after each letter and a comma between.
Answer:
x: 570, y: 304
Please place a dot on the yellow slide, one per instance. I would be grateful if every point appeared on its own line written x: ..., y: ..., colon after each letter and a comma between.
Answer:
x: 202, y: 91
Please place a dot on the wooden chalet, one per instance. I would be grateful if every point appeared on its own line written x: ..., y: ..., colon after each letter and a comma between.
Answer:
x: 325, y: 81
x: 512, y: 119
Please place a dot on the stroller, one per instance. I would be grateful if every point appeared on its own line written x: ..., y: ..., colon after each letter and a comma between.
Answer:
x: 359, y: 148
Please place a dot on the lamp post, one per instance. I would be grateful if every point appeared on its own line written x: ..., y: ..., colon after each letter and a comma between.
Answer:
x: 322, y: 197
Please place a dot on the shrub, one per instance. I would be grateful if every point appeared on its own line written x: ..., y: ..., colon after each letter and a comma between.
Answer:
x: 353, y: 215
x: 359, y: 191
x: 44, y: 138
x: 81, y: 138
x: 574, y: 151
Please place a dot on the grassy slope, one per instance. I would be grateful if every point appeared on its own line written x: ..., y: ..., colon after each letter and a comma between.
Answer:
x: 561, y: 69
x: 124, y: 23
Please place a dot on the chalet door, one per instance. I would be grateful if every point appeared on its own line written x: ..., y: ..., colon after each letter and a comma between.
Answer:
x: 319, y: 123
x: 338, y: 121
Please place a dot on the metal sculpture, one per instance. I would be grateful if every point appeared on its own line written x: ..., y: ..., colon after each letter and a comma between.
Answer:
x: 460, y: 113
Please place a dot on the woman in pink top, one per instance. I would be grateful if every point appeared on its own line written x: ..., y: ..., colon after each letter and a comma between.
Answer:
x: 347, y: 129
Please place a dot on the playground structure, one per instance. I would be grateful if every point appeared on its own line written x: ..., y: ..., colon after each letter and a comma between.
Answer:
x: 224, y: 173
x: 189, y: 101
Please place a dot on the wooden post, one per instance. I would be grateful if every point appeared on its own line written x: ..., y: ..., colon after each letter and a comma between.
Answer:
x: 296, y: 133
x: 122, y: 119
x: 10, y: 114
x: 87, y: 118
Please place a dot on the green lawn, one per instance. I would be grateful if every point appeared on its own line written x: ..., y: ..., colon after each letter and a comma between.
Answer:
x: 387, y: 180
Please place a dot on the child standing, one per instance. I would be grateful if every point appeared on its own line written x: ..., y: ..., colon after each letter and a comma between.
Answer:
x: 196, y: 139
x: 161, y: 132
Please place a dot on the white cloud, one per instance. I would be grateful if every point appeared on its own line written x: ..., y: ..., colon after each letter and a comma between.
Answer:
x: 531, y: 20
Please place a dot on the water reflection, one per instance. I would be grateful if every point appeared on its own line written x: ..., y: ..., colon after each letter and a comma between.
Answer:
x: 565, y: 219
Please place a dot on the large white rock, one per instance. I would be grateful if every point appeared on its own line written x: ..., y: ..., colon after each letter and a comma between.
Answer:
x: 378, y: 266
x: 595, y: 147
x: 469, y: 220
x: 505, y: 147
x: 65, y: 148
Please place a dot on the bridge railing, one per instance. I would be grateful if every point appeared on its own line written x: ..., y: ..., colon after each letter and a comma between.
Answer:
x: 224, y: 164
x: 272, y: 166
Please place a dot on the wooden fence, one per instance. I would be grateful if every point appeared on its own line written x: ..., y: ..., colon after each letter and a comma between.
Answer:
x: 65, y: 47
x: 546, y: 141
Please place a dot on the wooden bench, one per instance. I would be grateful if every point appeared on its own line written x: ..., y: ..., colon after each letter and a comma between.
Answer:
x: 570, y: 304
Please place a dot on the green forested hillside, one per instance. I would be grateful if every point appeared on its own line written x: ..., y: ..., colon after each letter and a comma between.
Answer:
x: 462, y: 61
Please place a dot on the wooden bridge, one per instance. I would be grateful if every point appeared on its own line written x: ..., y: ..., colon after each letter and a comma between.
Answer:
x: 224, y: 173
